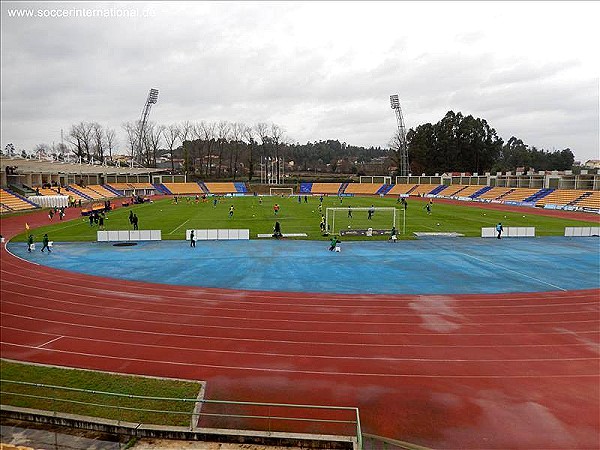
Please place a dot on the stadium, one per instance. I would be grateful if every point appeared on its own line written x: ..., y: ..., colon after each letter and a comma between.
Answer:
x: 446, y: 337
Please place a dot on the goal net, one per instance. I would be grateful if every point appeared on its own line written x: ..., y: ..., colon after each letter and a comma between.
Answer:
x: 281, y: 191
x: 348, y: 219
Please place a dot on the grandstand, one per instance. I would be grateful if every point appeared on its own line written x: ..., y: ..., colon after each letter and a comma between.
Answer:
x: 221, y: 188
x: 184, y: 188
x: 423, y: 189
x: 453, y: 190
x: 400, y: 189
x: 76, y: 196
x: 591, y: 200
x: 494, y: 193
x: 11, y: 202
x: 326, y: 188
x: 466, y: 191
x: 561, y: 197
x: 362, y: 188
x: 519, y: 194
x: 48, y: 191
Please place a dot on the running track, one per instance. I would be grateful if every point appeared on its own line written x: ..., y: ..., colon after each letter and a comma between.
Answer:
x: 473, y: 371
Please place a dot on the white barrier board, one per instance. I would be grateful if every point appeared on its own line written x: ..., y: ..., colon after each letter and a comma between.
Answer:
x: 509, y: 232
x: 582, y: 231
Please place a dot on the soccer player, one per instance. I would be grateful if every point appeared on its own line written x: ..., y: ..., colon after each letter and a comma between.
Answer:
x: 231, y: 208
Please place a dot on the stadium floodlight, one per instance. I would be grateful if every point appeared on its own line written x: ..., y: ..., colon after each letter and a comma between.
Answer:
x: 153, y: 96
x: 151, y: 100
x: 402, y: 149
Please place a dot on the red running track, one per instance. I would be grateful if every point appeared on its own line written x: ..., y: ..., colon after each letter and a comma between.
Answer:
x: 461, y: 371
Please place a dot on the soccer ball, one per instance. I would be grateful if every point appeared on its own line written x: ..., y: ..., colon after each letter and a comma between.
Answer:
x: 438, y: 224
x: 348, y: 226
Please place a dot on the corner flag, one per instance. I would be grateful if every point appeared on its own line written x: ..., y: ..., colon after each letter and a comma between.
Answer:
x: 26, y: 226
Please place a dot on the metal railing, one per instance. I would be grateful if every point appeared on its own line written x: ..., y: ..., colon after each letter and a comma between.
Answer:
x: 195, y: 412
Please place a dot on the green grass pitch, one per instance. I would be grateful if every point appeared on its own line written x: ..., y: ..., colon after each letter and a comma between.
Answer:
x: 173, y: 219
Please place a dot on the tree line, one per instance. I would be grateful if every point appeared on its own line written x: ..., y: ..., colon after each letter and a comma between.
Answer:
x: 460, y: 143
x: 233, y: 150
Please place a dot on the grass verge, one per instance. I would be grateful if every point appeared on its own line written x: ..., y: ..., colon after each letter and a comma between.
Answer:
x: 147, y: 411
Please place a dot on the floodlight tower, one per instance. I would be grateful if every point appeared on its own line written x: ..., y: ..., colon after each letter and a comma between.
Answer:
x: 151, y: 100
x: 402, y: 147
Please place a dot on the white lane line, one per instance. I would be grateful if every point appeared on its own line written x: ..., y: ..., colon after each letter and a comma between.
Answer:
x: 491, y: 263
x: 179, y: 226
x: 327, y: 357
x: 403, y: 310
x: 302, y: 332
x: 208, y: 297
x: 174, y: 315
x: 370, y: 345
x: 196, y: 365
x: 49, y: 342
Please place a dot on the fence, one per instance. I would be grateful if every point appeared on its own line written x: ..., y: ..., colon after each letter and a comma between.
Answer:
x: 194, y: 414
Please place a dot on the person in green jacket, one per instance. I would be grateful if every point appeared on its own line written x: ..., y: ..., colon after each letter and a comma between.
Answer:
x: 334, y: 241
x: 30, y: 243
x: 45, y: 241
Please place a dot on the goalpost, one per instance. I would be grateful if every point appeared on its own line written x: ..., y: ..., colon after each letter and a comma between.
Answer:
x: 281, y: 191
x: 383, y: 218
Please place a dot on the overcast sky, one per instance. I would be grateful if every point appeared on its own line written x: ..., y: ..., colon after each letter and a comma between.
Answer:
x: 320, y: 70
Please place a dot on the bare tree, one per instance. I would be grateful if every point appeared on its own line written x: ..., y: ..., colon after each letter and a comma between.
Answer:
x: 200, y: 145
x: 277, y: 137
x: 237, y: 133
x: 171, y: 134
x: 79, y: 137
x: 154, y: 135
x: 185, y: 131
x: 132, y: 131
x: 249, y: 137
x: 208, y: 136
x: 111, y: 141
x: 41, y: 150
x: 98, y: 140
x: 223, y: 130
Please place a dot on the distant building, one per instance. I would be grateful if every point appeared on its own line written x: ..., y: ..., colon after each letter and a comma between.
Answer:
x: 592, y: 164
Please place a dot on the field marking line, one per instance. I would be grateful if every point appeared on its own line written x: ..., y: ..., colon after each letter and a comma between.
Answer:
x: 49, y: 342
x: 512, y: 270
x: 179, y: 227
